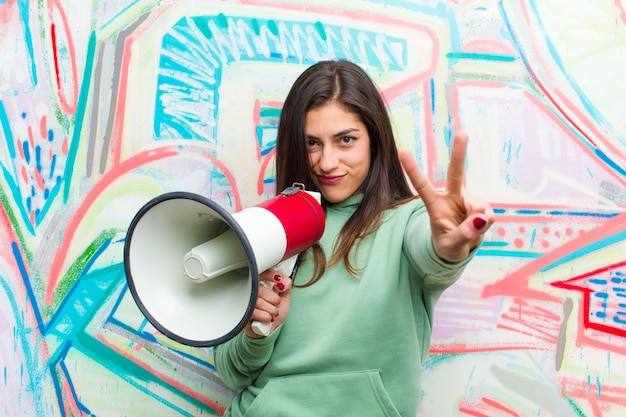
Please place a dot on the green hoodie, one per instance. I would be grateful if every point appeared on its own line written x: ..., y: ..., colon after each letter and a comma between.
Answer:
x: 349, y: 346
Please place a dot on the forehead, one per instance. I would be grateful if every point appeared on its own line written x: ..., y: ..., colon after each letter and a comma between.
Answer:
x: 331, y: 115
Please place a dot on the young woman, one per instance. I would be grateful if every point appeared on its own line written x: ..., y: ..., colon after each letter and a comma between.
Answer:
x: 352, y: 326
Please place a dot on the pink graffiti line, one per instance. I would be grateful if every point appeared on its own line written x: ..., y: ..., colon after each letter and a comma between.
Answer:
x: 265, y: 161
x: 6, y: 11
x: 621, y: 10
x: 583, y: 125
x: 120, y: 105
x: 599, y: 397
x: 130, y: 164
x: 421, y: 82
x: 166, y: 379
x: 69, y: 402
x: 486, y: 407
x: 517, y: 283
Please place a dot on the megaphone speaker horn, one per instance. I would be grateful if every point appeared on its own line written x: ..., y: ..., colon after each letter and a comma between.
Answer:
x: 193, y: 268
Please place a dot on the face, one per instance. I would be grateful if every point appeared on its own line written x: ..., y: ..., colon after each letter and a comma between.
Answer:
x: 339, y: 150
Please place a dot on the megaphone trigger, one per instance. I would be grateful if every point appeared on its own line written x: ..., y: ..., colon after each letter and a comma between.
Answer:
x: 284, y: 268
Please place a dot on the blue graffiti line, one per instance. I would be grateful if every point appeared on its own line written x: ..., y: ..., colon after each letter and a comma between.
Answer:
x: 480, y: 56
x: 509, y: 253
x: 80, y: 118
x: 87, y: 294
x: 60, y: 373
x: 196, y: 49
x: 30, y: 359
x: 126, y: 370
x: 592, y: 247
x: 266, y: 130
x: 25, y: 7
x: 17, y: 196
x: 6, y: 129
x: 586, y: 103
x: 27, y: 284
x: 145, y: 335
x: 582, y: 214
x: 69, y: 327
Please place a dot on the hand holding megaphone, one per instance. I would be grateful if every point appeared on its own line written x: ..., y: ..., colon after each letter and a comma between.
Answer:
x: 284, y: 268
x: 193, y: 268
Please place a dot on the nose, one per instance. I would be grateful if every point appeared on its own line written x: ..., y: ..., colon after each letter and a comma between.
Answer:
x: 329, y: 159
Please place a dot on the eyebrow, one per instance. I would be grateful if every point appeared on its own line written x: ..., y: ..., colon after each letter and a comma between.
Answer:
x: 338, y: 134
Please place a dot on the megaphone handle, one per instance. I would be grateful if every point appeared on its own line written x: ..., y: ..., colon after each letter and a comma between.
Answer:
x: 284, y: 268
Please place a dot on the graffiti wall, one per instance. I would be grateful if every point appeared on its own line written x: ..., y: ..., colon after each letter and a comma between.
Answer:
x: 106, y: 104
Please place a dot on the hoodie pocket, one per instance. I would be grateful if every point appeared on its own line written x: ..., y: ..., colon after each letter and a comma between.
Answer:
x: 324, y: 395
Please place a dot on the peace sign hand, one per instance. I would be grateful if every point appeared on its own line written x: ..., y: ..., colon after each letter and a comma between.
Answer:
x: 457, y: 220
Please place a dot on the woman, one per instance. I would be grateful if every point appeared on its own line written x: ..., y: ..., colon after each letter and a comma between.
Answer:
x: 352, y: 326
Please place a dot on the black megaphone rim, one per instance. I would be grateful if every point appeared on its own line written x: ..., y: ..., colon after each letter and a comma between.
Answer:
x: 252, y: 264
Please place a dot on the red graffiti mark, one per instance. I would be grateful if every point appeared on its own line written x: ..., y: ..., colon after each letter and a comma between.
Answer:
x: 486, y: 407
x: 608, y: 317
x: 63, y: 49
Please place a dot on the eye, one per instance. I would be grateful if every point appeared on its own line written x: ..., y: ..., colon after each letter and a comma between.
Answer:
x: 347, y: 140
x: 310, y: 143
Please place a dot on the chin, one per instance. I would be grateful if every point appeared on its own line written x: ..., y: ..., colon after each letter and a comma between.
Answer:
x: 332, y: 198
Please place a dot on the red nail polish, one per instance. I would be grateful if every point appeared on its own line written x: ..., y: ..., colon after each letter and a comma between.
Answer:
x: 276, y: 277
x: 280, y: 286
x: 479, y: 223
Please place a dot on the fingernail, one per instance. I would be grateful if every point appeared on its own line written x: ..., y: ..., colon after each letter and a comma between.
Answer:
x: 479, y: 223
x: 280, y: 286
x: 276, y: 277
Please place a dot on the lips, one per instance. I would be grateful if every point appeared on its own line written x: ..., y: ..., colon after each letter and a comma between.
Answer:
x: 330, y: 180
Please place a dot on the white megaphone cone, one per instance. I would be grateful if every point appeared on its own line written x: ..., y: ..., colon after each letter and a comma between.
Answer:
x: 193, y: 268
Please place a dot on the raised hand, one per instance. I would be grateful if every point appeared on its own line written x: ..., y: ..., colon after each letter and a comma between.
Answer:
x: 457, y: 220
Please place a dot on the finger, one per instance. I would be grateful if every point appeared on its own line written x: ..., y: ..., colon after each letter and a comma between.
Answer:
x: 420, y: 181
x: 266, y: 309
x: 267, y: 294
x: 456, y: 167
x: 279, y: 283
x: 263, y: 316
x: 465, y: 237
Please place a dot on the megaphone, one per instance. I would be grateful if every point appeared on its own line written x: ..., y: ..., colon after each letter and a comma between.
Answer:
x: 193, y: 268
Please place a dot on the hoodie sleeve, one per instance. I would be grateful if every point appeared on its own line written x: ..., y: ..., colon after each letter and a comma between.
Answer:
x: 240, y: 360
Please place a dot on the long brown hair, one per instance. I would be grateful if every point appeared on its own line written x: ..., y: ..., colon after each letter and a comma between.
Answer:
x: 385, y: 185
